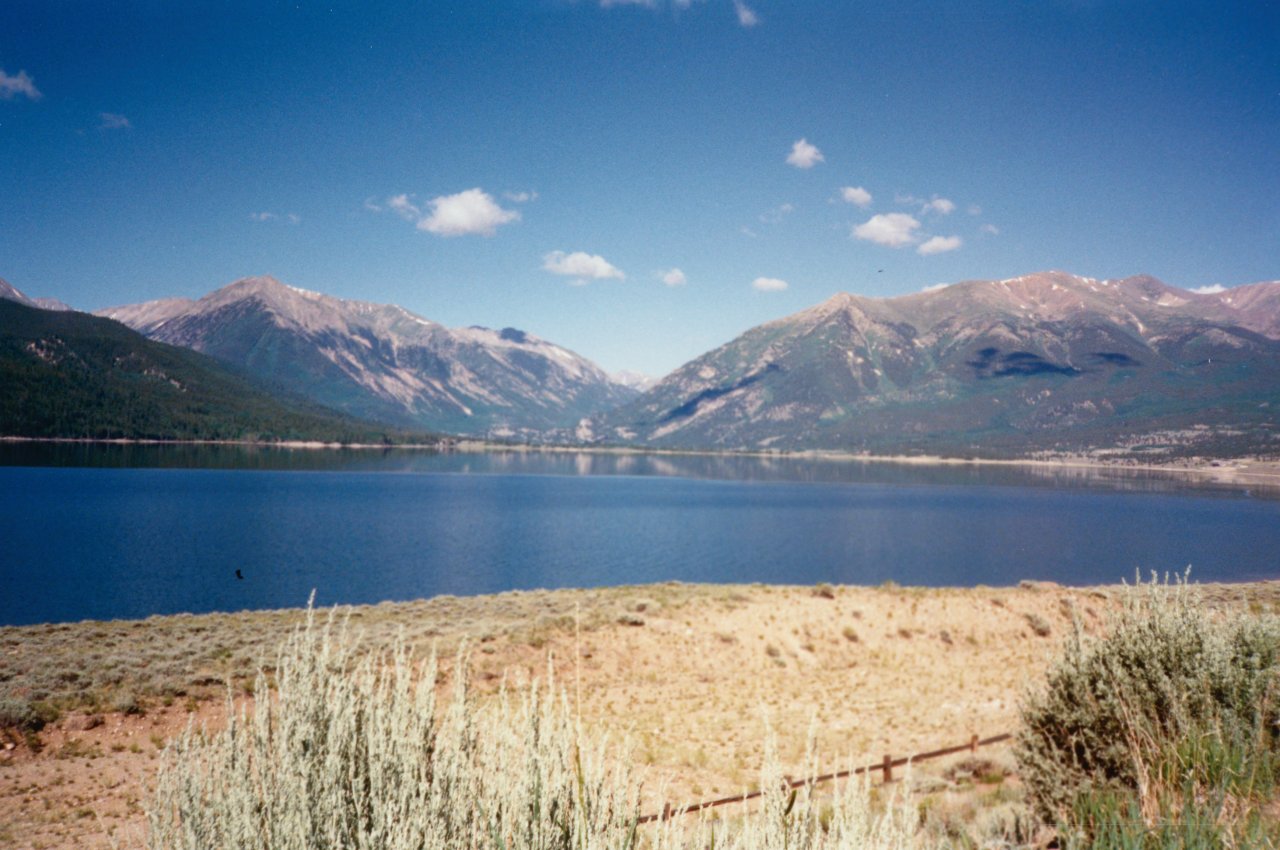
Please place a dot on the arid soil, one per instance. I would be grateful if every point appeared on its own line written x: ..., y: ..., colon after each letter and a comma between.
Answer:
x: 690, y: 674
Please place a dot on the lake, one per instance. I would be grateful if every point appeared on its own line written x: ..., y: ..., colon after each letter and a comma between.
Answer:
x: 100, y: 532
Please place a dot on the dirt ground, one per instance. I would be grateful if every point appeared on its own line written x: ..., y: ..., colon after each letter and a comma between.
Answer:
x: 692, y: 677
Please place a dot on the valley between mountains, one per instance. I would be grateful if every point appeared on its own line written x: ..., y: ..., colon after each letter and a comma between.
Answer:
x: 1043, y: 363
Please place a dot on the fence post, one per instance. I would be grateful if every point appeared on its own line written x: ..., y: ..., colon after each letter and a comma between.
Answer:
x: 888, y: 768
x: 973, y: 744
x: 666, y: 812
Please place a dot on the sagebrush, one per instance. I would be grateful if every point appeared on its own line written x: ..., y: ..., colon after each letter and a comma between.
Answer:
x: 1167, y: 721
x: 350, y: 750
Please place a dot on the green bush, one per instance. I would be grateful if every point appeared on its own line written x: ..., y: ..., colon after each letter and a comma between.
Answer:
x: 26, y: 715
x: 1167, y: 713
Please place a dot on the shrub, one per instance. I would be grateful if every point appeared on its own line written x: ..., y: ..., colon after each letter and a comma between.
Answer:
x: 1171, y: 707
x: 26, y: 715
x: 350, y: 752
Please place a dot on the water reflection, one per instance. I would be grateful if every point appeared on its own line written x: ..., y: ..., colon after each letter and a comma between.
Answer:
x: 723, y: 467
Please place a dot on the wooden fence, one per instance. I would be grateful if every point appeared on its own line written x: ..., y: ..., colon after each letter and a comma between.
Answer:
x: 886, y: 766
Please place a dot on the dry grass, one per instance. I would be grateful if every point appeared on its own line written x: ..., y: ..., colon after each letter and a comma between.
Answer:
x: 691, y: 683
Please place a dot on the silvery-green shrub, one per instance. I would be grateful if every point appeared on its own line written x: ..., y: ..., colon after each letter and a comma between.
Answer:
x: 1114, y: 709
x: 351, y: 751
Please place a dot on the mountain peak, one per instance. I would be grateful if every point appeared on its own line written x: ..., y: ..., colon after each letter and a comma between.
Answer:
x: 384, y: 362
x: 9, y: 292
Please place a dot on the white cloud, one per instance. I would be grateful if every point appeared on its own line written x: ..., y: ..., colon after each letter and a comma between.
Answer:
x: 746, y: 15
x: 371, y: 204
x: 768, y: 284
x: 674, y: 277
x: 856, y: 195
x: 581, y: 265
x: 893, y: 230
x: 1212, y: 289
x: 934, y: 287
x: 748, y: 232
x: 11, y: 87
x: 262, y: 216
x: 804, y: 155
x: 472, y: 212
x: 974, y: 209
x: 404, y: 207
x: 990, y: 229
x: 520, y: 197
x: 609, y: 4
x: 939, y: 245
x: 294, y: 218
x: 112, y: 121
x: 939, y: 205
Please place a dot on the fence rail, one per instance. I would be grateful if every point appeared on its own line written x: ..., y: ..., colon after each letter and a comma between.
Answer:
x: 886, y: 766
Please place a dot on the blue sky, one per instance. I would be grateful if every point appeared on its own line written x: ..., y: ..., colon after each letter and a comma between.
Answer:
x: 551, y: 165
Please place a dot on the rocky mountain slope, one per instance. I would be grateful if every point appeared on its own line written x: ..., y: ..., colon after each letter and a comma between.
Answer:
x: 384, y: 363
x: 69, y: 374
x: 9, y: 292
x: 1047, y: 361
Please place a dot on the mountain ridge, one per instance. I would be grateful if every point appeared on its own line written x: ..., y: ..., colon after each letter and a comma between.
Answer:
x: 1041, y: 362
x: 383, y: 362
x: 68, y: 374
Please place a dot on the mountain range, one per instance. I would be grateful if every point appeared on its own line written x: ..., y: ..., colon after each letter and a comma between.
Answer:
x: 68, y: 374
x: 1047, y: 361
x: 383, y: 363
x: 1043, y: 362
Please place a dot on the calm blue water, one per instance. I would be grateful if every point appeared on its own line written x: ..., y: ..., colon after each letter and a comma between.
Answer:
x: 157, y: 532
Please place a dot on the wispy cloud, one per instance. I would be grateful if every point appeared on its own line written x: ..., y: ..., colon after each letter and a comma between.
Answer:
x: 21, y: 84
x: 936, y: 203
x: 856, y: 195
x: 939, y: 245
x: 893, y: 230
x: 112, y: 121
x: 291, y: 218
x: 403, y: 206
x: 776, y: 214
x: 372, y: 205
x: 673, y: 277
x: 747, y: 16
x: 581, y: 266
x: 1211, y: 289
x: 934, y: 287
x: 990, y: 229
x: 768, y: 284
x: 469, y: 213
x: 804, y: 155
x: 520, y: 197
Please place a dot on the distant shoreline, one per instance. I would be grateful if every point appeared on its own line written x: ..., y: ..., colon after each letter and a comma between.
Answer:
x: 1240, y: 470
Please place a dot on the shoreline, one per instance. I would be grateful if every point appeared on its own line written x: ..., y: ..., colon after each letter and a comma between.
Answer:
x: 1235, y: 470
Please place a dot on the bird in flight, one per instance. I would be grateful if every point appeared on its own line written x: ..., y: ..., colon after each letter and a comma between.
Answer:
x: 239, y: 574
